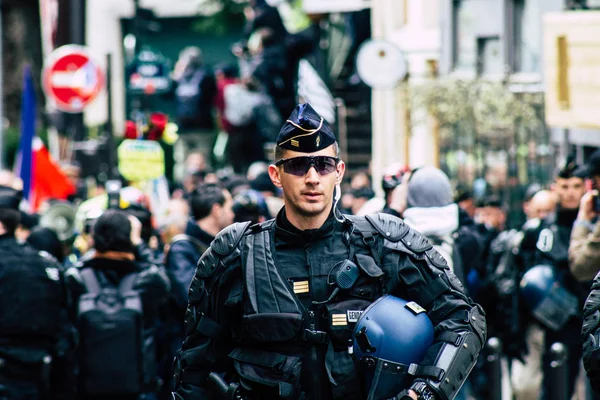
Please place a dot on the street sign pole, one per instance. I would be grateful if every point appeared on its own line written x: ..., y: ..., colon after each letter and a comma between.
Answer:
x: 77, y: 28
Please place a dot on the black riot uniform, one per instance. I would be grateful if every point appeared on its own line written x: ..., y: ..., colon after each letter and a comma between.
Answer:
x: 265, y: 313
x: 36, y: 339
x: 259, y: 308
x: 547, y: 243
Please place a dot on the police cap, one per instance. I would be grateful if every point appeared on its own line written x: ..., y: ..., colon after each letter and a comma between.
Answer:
x: 305, y: 131
x: 10, y: 198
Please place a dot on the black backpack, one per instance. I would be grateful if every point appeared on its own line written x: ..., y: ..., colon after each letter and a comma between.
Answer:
x: 110, y: 323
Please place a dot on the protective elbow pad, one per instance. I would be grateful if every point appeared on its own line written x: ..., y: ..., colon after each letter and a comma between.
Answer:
x: 452, y: 367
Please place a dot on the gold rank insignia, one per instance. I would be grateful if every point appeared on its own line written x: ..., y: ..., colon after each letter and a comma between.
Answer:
x: 295, y: 143
x: 301, y: 287
x: 338, y: 320
x: 318, y: 140
x: 415, y: 308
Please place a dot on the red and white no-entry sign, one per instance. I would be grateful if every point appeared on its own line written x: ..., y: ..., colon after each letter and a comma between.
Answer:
x: 71, y: 79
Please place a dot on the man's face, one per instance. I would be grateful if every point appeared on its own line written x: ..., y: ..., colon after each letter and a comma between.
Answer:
x: 309, y: 195
x: 596, y: 180
x: 569, y: 192
x: 225, y: 212
x: 468, y: 206
x: 492, y: 217
x: 195, y: 162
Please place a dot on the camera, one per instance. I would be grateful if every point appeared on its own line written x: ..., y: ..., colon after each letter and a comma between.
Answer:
x: 596, y: 204
x: 113, y: 191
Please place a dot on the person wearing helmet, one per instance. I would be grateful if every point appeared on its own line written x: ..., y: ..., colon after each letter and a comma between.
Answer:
x: 273, y: 306
x: 545, y: 243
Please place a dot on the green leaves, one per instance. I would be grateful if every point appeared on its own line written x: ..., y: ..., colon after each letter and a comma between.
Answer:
x: 483, y: 106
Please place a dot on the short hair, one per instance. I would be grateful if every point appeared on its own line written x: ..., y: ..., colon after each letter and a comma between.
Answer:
x: 112, y: 232
x: 45, y: 239
x: 279, y: 151
x: 204, y: 198
x: 570, y: 169
x: 10, y: 219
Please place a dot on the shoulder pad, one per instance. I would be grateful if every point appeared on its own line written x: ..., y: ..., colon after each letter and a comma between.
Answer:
x: 262, y: 226
x: 390, y: 227
x: 416, y: 241
x: 436, y: 259
x: 207, y: 264
x: 228, y: 239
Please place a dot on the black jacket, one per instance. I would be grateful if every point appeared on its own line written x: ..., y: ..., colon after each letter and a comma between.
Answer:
x: 152, y: 282
x: 34, y: 318
x: 219, y: 294
x: 181, y: 262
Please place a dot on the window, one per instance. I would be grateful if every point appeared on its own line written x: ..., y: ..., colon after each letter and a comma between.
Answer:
x: 528, y: 33
x: 478, y: 28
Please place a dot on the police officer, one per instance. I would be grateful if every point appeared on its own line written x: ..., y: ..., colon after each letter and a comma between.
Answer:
x: 544, y: 247
x: 35, y: 334
x: 268, y: 312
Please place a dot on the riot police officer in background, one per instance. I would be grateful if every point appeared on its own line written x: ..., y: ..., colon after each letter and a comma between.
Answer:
x: 543, y: 260
x: 272, y: 306
x: 35, y: 334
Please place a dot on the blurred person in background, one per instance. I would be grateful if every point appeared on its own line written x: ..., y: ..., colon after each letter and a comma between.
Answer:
x: 255, y: 169
x: 210, y: 207
x: 390, y: 182
x: 541, y: 205
x: 27, y: 224
x: 530, y: 191
x: 491, y: 213
x: 263, y: 184
x: 584, y: 249
x: 226, y: 75
x: 253, y: 120
x: 547, y: 243
x: 359, y: 180
x: 259, y: 14
x: 195, y: 90
x: 45, y: 239
x: 272, y: 68
x: 36, y: 339
x: 102, y: 349
x: 424, y: 199
x: 249, y: 205
x: 361, y: 197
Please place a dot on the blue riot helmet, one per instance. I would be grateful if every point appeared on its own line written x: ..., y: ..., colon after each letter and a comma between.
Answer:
x: 546, y: 298
x: 390, y: 335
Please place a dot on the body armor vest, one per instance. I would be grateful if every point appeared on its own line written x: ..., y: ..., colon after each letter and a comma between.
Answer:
x: 291, y: 333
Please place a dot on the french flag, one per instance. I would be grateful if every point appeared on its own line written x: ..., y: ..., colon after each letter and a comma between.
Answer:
x: 42, y: 177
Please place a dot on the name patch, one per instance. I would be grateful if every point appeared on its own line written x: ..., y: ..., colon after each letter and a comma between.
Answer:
x: 354, y: 315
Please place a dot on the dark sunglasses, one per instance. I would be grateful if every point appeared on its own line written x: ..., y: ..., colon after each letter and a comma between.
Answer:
x: 299, y: 166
